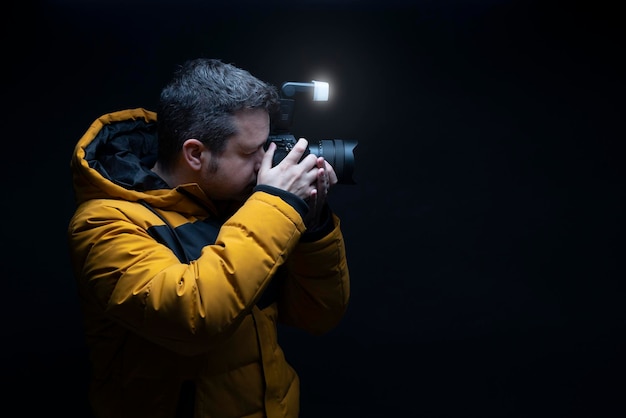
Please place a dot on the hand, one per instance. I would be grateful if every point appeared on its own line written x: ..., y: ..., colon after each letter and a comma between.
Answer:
x: 326, y: 177
x: 291, y: 174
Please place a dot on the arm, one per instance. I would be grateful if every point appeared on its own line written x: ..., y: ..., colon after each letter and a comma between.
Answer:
x: 140, y: 284
x: 317, y: 289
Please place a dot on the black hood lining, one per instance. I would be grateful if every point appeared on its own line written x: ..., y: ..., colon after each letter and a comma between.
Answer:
x: 124, y: 153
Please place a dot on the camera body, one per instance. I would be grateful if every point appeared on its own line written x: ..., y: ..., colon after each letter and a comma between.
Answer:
x: 337, y: 152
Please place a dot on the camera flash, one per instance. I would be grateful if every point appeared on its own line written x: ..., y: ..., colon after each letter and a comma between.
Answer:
x: 320, y: 91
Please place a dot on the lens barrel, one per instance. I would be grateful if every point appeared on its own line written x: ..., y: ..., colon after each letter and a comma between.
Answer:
x: 340, y: 154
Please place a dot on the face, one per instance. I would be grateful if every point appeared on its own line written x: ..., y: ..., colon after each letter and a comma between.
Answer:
x: 238, y: 165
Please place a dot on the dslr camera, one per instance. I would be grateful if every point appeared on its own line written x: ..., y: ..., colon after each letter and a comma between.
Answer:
x: 338, y: 152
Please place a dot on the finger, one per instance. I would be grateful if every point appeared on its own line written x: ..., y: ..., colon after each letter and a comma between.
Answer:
x: 297, y: 151
x: 332, y: 176
x: 322, y: 183
x: 266, y: 163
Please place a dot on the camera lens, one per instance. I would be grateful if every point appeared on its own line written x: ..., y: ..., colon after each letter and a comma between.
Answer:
x: 340, y: 154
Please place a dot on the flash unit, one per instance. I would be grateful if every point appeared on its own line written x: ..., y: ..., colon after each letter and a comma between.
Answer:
x: 338, y: 152
x: 320, y: 89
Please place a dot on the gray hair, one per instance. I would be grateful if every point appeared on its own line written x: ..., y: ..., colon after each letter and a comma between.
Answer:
x: 199, y: 102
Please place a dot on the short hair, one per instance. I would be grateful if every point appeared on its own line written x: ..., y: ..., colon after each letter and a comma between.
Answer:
x: 200, y: 101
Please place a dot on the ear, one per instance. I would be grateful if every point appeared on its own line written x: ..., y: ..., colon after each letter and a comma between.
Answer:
x: 193, y: 153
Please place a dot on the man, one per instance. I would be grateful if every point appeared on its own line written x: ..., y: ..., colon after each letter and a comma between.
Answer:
x: 190, y: 248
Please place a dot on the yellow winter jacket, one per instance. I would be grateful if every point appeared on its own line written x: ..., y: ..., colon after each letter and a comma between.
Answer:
x: 180, y: 300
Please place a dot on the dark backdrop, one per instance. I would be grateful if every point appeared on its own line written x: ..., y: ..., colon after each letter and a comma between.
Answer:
x: 485, y: 231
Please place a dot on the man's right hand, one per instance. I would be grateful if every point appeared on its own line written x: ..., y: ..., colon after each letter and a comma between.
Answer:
x: 291, y: 174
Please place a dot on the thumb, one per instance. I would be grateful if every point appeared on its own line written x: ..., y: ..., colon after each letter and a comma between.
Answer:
x: 266, y: 163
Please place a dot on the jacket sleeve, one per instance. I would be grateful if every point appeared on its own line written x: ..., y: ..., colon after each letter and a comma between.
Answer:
x: 316, y: 289
x: 129, y: 277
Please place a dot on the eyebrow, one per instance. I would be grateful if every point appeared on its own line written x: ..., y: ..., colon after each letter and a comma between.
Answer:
x: 251, y: 148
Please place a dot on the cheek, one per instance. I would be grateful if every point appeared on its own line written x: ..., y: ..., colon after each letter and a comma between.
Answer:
x: 240, y: 171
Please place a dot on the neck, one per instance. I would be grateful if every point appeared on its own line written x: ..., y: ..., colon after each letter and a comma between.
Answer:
x: 169, y: 178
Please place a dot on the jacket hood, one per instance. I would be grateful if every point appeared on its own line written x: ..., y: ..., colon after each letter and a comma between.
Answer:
x: 113, y: 160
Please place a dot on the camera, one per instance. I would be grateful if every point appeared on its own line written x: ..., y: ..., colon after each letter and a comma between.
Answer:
x: 338, y: 152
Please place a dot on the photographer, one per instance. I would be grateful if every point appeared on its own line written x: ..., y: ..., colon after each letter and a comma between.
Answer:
x: 188, y: 249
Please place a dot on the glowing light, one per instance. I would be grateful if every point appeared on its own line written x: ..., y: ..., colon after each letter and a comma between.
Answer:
x: 321, y: 91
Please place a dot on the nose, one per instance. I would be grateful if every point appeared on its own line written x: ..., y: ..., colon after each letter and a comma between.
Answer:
x: 267, y: 143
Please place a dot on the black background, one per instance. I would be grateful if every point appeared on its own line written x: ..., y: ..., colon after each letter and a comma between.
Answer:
x: 485, y: 231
